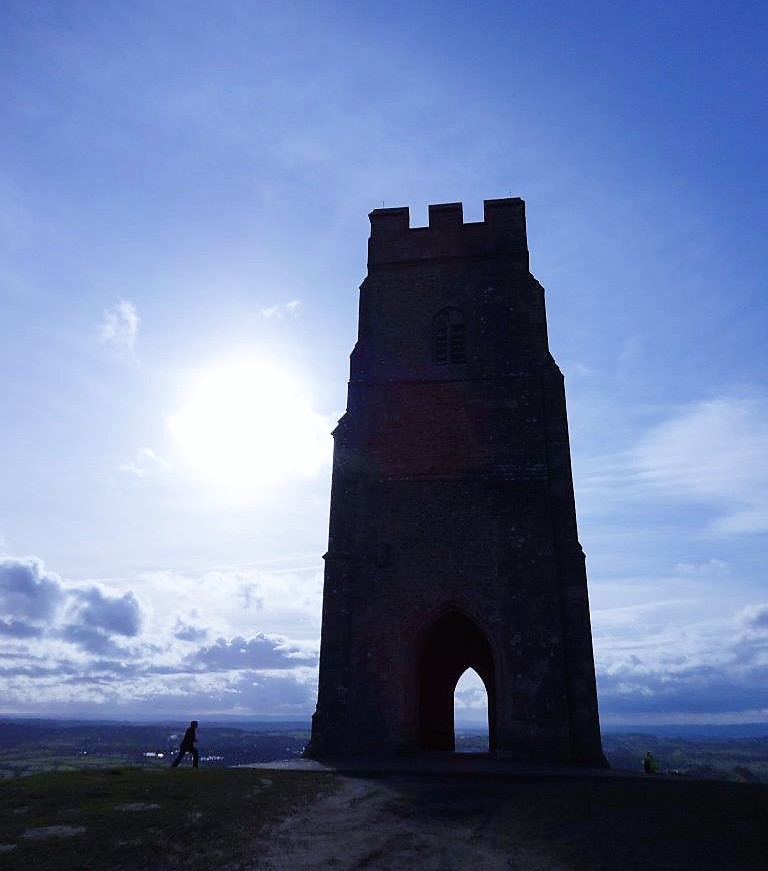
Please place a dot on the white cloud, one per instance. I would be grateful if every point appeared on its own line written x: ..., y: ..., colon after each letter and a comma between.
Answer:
x: 36, y: 603
x: 113, y: 615
x: 470, y: 692
x: 709, y: 455
x: 114, y: 691
x: 169, y: 640
x: 120, y: 326
x: 238, y: 600
x: 30, y: 596
x: 281, y: 310
x: 146, y: 465
x: 665, y: 660
x: 259, y: 653
x: 754, y: 618
x: 245, y: 639
x: 711, y: 452
x: 713, y: 568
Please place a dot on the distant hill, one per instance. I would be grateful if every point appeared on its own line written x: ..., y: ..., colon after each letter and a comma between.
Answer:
x: 31, y: 745
x: 28, y: 746
x: 738, y: 730
x: 721, y: 758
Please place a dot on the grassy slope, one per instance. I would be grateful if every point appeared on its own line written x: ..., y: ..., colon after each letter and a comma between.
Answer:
x: 145, y: 818
x: 219, y: 818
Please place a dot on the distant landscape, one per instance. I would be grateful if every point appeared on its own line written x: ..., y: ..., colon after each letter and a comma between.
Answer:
x: 29, y: 746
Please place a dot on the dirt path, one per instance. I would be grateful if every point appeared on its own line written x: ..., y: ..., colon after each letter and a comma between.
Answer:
x: 402, y: 822
x: 373, y: 824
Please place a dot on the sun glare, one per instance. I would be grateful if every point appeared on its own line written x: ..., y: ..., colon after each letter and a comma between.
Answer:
x: 246, y: 421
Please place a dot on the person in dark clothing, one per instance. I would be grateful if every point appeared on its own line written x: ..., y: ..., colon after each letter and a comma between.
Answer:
x: 188, y: 746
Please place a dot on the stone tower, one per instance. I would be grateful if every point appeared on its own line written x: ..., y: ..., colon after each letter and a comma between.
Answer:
x: 453, y: 538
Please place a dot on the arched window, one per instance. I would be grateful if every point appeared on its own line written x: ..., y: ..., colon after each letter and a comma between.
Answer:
x: 449, y: 337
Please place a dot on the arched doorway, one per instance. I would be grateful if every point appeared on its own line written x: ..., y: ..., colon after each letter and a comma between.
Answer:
x: 451, y: 645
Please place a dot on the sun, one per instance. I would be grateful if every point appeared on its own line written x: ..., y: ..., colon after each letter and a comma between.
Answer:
x: 249, y: 421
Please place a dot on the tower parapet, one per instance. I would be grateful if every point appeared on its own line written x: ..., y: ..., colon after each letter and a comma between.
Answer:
x: 501, y: 233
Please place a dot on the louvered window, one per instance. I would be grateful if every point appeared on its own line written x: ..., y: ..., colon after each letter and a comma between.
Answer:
x: 449, y: 337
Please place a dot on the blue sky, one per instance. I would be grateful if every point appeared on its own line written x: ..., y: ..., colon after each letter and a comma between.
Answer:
x: 184, y: 190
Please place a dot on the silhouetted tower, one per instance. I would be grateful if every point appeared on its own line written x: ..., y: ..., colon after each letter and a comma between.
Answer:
x: 453, y: 540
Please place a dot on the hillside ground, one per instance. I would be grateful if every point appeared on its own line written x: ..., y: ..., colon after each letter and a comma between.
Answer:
x: 262, y: 819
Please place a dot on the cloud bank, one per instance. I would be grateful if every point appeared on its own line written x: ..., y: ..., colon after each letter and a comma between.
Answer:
x: 88, y: 650
x: 711, y: 452
x: 184, y: 643
x: 709, y: 455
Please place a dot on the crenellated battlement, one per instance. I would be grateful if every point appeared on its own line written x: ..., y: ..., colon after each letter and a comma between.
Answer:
x: 501, y: 233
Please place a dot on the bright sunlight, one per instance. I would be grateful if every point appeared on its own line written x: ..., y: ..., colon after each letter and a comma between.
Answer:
x: 247, y: 421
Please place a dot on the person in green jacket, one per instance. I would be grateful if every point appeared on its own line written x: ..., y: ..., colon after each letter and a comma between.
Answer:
x: 649, y: 764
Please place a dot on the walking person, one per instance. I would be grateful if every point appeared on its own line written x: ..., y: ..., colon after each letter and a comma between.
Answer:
x: 188, y: 746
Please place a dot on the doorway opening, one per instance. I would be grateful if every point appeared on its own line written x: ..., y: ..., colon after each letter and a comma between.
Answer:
x: 470, y: 714
x: 452, y: 645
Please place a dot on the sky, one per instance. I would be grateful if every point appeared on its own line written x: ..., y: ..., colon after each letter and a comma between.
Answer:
x: 184, y: 191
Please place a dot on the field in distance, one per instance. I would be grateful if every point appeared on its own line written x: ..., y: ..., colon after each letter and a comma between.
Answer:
x: 28, y: 746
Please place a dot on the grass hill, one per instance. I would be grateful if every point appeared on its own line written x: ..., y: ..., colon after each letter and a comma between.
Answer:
x: 153, y: 818
x: 86, y: 795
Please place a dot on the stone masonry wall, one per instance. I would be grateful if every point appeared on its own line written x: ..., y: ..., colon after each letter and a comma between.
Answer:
x: 452, y: 494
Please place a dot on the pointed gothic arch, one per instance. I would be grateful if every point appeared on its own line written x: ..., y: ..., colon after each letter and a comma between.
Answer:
x: 451, y: 643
